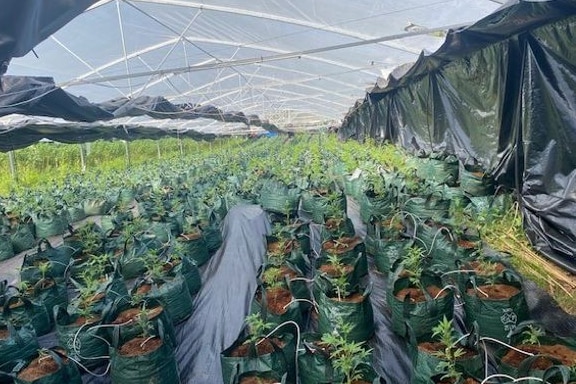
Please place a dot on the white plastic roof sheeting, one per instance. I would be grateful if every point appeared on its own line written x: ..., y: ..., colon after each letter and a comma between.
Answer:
x: 298, y: 63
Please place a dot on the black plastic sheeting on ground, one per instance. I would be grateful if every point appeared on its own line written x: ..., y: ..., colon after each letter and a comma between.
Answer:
x: 229, y: 283
x: 500, y: 92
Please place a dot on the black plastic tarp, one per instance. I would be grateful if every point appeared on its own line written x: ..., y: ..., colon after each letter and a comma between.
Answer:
x: 229, y: 284
x: 500, y: 92
x: 39, y: 96
x: 25, y: 23
x: 28, y: 132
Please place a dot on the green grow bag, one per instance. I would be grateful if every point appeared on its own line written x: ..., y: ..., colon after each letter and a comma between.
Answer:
x: 386, y: 252
x: 237, y: 379
x: 353, y: 187
x: 353, y: 278
x: 96, y: 207
x: 195, y: 249
x: 335, y: 228
x: 126, y: 196
x: 439, y: 171
x: 213, y: 238
x: 67, y: 372
x: 108, y: 223
x: 20, y: 344
x: 315, y: 366
x: 426, y: 366
x: 292, y: 311
x: 475, y: 182
x: 175, y: 298
x: 156, y: 366
x: 281, y: 360
x: 428, y: 208
x: 442, y: 250
x: 51, y: 293
x: 50, y: 224
x: 319, y: 207
x: 191, y: 275
x: 58, y: 257
x: 6, y: 248
x: 357, y: 313
x: 496, y: 317
x: 557, y: 372
x: 83, y: 343
x: 27, y: 311
x: 22, y: 238
x: 348, y: 254
x: 298, y: 259
x: 420, y: 316
x: 302, y: 236
x: 278, y: 198
x: 160, y: 231
x: 375, y: 207
x: 131, y: 261
x: 76, y: 214
x: 156, y: 315
x: 114, y: 290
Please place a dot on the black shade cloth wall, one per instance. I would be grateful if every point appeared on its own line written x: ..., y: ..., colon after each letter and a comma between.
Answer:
x: 39, y: 96
x: 503, y: 93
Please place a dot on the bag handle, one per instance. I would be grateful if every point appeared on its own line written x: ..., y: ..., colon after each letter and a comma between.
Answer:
x: 37, y: 286
x: 13, y: 332
x: 45, y: 242
x: 234, y: 378
x: 112, y: 309
x: 59, y: 313
x: 7, y: 376
x: 557, y: 370
x: 526, y: 365
x: 263, y: 303
x: 7, y: 310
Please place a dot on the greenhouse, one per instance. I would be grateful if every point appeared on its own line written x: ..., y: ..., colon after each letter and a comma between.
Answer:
x: 287, y: 191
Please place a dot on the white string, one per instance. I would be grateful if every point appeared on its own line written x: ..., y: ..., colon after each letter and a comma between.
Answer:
x: 297, y: 339
x: 506, y: 345
x: 514, y: 380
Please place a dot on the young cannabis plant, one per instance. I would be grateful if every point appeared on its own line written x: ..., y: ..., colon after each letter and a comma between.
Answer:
x: 144, y: 323
x: 444, y: 332
x: 346, y: 356
x: 272, y: 277
x: 340, y: 280
x: 412, y: 264
x: 532, y: 335
x: 257, y: 327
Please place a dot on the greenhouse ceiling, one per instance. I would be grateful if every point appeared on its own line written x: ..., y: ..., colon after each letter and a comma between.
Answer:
x: 299, y: 64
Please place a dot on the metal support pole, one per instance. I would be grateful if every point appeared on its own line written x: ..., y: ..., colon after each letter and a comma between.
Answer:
x: 127, y: 148
x: 180, y: 145
x: 13, y: 169
x: 158, y: 149
x: 83, y: 157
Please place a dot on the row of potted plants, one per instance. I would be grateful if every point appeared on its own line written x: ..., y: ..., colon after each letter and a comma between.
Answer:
x: 422, y: 237
x: 408, y: 220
